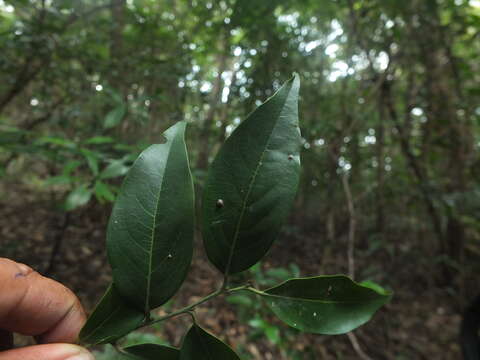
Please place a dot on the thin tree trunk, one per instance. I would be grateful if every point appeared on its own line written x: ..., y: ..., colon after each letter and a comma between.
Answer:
x: 352, y: 223
x: 380, y: 193
x: 216, y: 97
x: 422, y: 180
x: 332, y: 166
x: 116, y: 42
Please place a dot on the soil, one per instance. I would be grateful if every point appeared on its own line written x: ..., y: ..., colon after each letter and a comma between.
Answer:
x: 421, y: 322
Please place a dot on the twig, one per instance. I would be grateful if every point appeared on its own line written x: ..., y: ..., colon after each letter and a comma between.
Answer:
x: 57, y: 245
x: 189, y: 309
x: 351, y: 256
x: 356, y: 346
x: 120, y: 350
x: 24, y: 76
x: 30, y: 126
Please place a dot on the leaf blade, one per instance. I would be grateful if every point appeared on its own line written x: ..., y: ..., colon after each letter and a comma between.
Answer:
x: 114, y: 169
x: 150, y: 231
x: 153, y: 352
x: 103, y: 191
x: 78, y: 197
x: 327, y: 305
x: 252, y: 182
x: 200, y: 345
x: 111, y: 319
x: 115, y: 116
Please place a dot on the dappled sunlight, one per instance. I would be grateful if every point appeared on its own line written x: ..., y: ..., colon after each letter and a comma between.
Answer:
x: 387, y: 141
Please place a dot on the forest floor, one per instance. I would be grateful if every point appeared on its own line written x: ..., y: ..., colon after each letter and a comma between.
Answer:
x: 421, y: 322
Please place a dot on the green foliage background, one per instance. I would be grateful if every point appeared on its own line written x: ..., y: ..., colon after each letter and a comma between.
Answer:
x: 389, y: 113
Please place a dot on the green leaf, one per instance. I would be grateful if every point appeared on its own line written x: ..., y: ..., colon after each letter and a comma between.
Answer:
x: 273, y: 334
x: 116, y: 96
x: 102, y: 191
x: 294, y: 269
x: 200, y: 345
x: 97, y: 140
x: 153, y: 352
x: 13, y: 136
x: 92, y: 160
x: 327, y: 305
x: 78, y: 197
x: 70, y: 167
x: 114, y: 169
x: 252, y: 183
x: 115, y: 116
x: 150, y: 232
x: 278, y: 273
x: 239, y: 299
x: 54, y: 140
x: 59, y: 180
x: 374, y: 286
x: 112, y: 319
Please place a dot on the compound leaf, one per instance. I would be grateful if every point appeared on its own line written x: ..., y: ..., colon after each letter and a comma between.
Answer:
x: 327, y: 305
x: 150, y: 231
x: 252, y: 182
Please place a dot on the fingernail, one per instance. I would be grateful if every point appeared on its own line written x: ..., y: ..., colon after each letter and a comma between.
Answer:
x: 81, y: 356
x: 70, y: 352
x: 24, y: 269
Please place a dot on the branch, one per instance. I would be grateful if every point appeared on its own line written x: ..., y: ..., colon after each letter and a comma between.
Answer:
x: 356, y: 346
x: 189, y: 308
x: 422, y: 180
x: 351, y: 259
x: 31, y: 125
x: 24, y: 76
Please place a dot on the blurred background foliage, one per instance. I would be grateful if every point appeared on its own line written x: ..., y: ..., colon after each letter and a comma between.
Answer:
x: 390, y: 117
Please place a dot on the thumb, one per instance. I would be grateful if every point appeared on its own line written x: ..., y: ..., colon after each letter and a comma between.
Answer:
x: 47, y: 352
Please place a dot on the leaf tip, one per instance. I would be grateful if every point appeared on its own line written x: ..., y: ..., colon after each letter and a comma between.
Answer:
x: 296, y: 79
x: 175, y: 130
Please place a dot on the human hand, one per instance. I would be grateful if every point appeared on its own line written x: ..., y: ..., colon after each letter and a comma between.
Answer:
x: 34, y: 305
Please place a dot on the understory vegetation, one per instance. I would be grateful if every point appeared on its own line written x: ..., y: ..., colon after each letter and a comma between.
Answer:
x: 389, y: 119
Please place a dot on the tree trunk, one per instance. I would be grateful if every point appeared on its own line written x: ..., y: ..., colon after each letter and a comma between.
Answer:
x: 216, y: 97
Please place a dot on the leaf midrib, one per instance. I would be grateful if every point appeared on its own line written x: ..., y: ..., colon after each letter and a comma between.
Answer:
x: 92, y: 333
x: 284, y: 297
x: 250, y: 186
x: 152, y: 238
